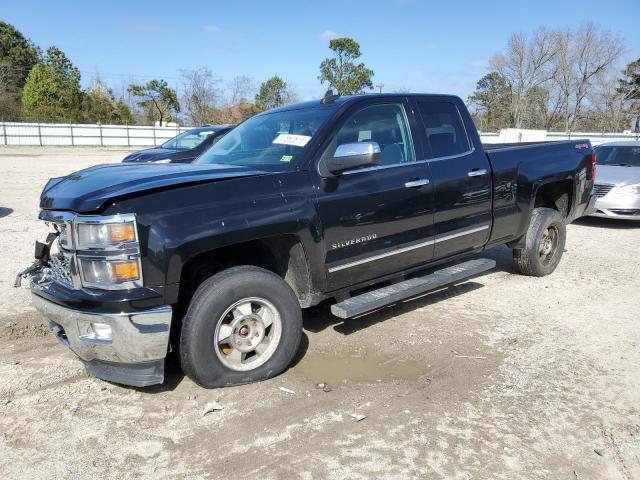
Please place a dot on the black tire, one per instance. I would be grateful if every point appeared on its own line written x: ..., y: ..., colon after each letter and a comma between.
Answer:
x: 544, y: 244
x: 199, y: 345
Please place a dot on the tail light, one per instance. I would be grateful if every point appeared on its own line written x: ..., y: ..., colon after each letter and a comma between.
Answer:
x: 593, y: 166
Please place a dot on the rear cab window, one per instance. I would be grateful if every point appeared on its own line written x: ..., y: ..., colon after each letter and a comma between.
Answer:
x: 444, y: 131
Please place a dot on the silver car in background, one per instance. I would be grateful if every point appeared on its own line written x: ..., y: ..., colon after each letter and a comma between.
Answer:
x: 617, y: 186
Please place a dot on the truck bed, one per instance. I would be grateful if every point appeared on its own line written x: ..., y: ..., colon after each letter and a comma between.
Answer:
x: 499, y: 146
x: 518, y: 169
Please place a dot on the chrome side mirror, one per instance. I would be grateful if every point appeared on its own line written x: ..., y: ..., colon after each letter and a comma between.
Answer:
x: 349, y: 156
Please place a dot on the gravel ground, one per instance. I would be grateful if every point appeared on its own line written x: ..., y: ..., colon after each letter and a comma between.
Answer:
x: 501, y: 377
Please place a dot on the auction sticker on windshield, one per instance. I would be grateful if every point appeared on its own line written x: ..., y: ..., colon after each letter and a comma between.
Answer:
x: 291, y: 139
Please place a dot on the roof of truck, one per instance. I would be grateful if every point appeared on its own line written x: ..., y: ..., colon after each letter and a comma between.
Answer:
x: 340, y: 100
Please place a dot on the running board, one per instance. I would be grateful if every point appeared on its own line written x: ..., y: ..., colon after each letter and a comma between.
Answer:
x: 409, y: 288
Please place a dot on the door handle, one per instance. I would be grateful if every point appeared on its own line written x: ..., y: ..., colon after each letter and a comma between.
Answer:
x: 477, y: 172
x: 417, y: 183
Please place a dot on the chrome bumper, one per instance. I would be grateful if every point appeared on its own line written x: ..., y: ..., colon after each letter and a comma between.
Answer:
x: 137, y: 337
x: 623, y: 207
x: 605, y: 213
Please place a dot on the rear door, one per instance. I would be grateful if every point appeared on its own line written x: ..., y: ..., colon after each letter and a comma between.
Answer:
x: 376, y: 220
x: 461, y: 177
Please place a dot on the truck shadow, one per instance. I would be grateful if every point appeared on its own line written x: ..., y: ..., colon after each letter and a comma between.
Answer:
x: 173, y: 375
x: 319, y: 318
x: 599, y: 222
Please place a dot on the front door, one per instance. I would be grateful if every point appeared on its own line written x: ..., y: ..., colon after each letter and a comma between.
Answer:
x: 376, y: 220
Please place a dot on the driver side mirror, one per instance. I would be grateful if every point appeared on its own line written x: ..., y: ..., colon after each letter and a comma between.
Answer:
x: 349, y: 156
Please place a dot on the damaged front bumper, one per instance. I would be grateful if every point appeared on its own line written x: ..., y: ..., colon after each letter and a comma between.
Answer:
x: 127, y: 348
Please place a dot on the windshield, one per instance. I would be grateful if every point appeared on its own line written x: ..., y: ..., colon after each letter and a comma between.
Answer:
x: 188, y: 140
x: 622, y: 155
x: 273, y: 141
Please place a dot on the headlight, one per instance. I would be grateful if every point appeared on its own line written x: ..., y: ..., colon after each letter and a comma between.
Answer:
x: 108, y: 251
x: 103, y: 272
x: 97, y: 235
x: 629, y: 189
x: 164, y: 160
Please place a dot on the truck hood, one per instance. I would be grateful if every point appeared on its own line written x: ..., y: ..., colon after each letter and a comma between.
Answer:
x: 152, y: 154
x: 87, y: 190
x: 615, y: 175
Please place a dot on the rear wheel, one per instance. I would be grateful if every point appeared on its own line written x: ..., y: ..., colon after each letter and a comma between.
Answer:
x: 243, y: 325
x: 544, y: 243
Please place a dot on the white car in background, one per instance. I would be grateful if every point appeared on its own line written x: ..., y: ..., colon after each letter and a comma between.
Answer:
x: 618, y: 180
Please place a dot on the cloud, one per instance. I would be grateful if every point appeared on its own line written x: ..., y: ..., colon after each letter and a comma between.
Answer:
x: 328, y: 35
x: 212, y: 29
x: 480, y: 63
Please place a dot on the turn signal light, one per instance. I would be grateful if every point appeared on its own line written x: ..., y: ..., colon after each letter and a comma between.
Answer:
x: 126, y: 270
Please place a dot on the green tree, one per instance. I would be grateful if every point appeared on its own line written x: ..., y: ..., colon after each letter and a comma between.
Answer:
x: 124, y: 113
x: 99, y: 106
x: 341, y: 72
x: 274, y: 93
x: 492, y: 100
x: 629, y: 87
x: 158, y: 97
x: 52, y: 90
x: 18, y: 55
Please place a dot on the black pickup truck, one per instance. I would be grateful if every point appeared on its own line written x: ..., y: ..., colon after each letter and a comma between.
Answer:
x: 365, y: 200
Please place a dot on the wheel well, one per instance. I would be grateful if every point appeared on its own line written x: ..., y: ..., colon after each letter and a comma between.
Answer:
x: 282, y: 254
x: 556, y: 195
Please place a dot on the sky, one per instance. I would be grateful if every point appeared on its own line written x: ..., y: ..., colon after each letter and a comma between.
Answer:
x: 425, y: 46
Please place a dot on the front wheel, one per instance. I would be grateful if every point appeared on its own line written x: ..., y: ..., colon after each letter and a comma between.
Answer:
x: 243, y: 325
x: 544, y: 244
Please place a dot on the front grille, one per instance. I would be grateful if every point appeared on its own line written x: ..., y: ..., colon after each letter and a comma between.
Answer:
x: 601, y: 189
x: 64, y: 235
x: 60, y: 270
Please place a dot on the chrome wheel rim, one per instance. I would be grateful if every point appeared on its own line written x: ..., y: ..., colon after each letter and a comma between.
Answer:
x: 248, y: 333
x: 548, y: 245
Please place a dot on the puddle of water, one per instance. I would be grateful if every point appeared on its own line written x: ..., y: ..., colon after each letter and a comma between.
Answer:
x: 334, y: 368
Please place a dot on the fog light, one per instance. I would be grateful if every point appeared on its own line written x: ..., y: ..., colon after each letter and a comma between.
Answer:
x: 101, y: 331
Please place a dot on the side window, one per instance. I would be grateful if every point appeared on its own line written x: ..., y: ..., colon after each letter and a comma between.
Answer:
x: 444, y: 129
x: 385, y: 124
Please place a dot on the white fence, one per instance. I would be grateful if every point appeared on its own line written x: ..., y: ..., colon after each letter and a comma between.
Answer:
x: 594, y: 138
x: 64, y: 134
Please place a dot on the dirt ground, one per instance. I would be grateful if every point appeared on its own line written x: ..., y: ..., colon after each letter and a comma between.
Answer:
x: 502, y: 377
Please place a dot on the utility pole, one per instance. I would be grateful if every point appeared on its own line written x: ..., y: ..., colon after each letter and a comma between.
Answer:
x: 379, y: 86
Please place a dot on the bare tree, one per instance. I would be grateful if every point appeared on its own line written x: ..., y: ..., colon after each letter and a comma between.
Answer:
x: 527, y: 64
x: 585, y: 57
x: 561, y: 78
x: 200, y: 95
x: 607, y: 111
x: 241, y: 89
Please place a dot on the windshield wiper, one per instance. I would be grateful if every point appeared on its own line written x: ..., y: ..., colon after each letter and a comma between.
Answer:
x: 621, y: 165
